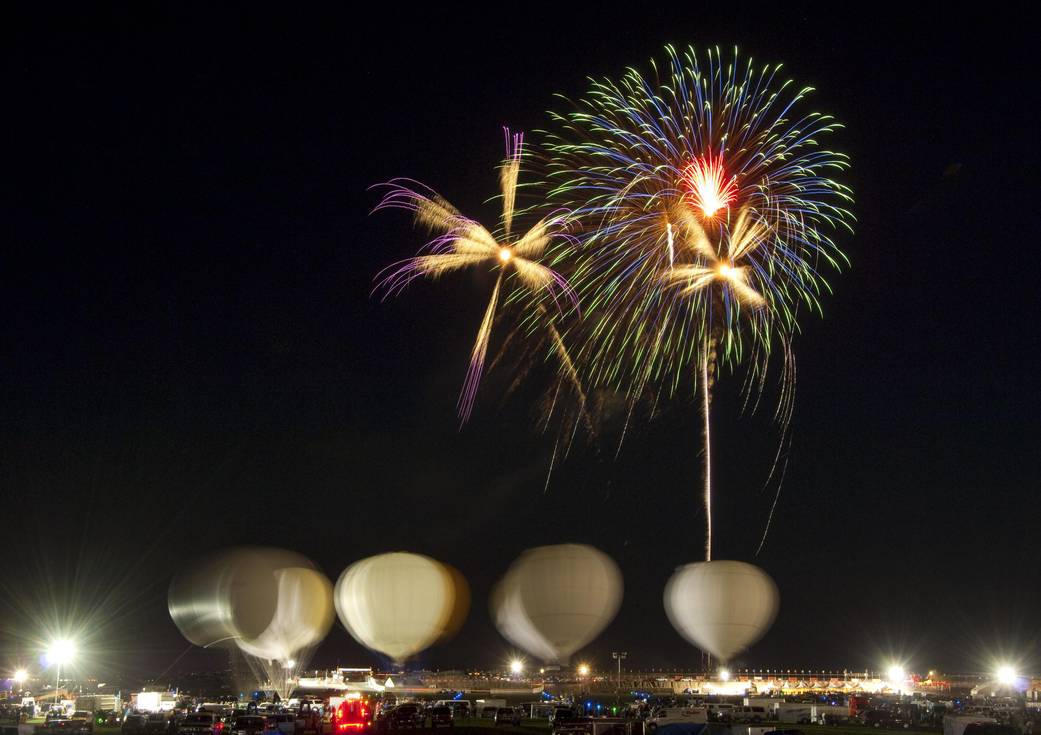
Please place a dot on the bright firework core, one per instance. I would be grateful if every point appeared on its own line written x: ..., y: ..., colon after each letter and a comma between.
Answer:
x: 505, y: 254
x: 707, y: 184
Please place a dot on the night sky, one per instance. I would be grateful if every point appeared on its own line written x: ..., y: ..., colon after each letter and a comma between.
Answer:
x: 191, y: 357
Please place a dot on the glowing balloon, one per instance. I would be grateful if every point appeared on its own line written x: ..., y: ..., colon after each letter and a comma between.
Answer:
x: 230, y: 595
x: 271, y: 604
x: 302, y: 617
x: 722, y: 607
x: 400, y: 603
x: 556, y: 599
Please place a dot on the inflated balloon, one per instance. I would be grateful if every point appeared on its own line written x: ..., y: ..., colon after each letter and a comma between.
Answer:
x: 271, y: 604
x: 229, y: 596
x: 400, y: 603
x: 556, y: 599
x: 722, y: 607
x: 461, y: 608
x: 302, y: 617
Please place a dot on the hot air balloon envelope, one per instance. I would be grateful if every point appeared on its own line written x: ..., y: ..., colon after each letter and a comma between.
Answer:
x: 556, y: 599
x: 231, y: 595
x: 400, y: 603
x: 722, y: 607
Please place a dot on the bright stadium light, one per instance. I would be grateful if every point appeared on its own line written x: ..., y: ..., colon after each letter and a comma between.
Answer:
x: 724, y: 675
x: 516, y: 666
x: 20, y: 676
x: 583, y: 669
x: 896, y: 674
x: 61, y: 652
x: 1006, y: 675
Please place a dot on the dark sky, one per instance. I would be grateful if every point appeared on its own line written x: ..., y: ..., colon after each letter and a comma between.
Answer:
x: 191, y: 357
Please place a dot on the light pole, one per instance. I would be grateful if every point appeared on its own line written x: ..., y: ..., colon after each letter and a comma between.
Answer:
x: 619, y: 656
x: 61, y: 651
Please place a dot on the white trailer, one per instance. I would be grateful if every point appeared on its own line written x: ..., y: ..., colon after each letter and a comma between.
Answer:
x: 769, y: 702
x: 794, y: 712
x: 818, y: 712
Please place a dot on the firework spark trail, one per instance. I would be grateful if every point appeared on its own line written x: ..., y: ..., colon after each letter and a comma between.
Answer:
x: 552, y: 461
x: 783, y: 445
x: 473, y: 375
x: 569, y: 369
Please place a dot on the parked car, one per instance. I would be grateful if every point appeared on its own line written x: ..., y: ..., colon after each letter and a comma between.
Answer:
x: 405, y: 716
x: 884, y: 720
x: 105, y: 717
x: 248, y: 725
x: 200, y: 723
x: 133, y: 725
x: 460, y: 709
x: 156, y: 724
x: 561, y: 715
x: 441, y: 716
x: 283, y: 722
x: 507, y: 716
x: 69, y: 726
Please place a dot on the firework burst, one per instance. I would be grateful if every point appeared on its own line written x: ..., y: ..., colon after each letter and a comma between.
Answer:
x: 461, y: 242
x: 707, y: 205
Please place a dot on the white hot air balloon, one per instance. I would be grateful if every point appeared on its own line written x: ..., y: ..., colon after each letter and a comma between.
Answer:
x: 400, y: 603
x: 230, y: 595
x: 722, y: 607
x: 302, y: 617
x: 272, y: 604
x: 556, y: 599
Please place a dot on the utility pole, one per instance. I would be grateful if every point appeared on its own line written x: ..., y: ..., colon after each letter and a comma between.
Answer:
x: 619, y: 656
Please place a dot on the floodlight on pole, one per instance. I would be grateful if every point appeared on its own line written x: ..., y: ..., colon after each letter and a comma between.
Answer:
x: 61, y: 651
x: 619, y: 656
x: 516, y: 667
x: 20, y: 676
x: 1006, y: 675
